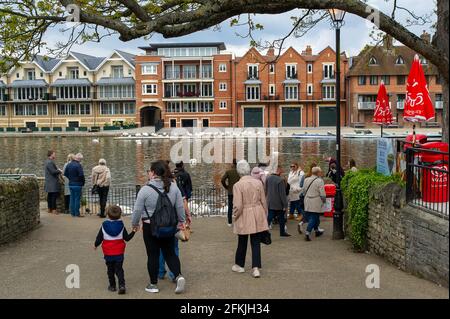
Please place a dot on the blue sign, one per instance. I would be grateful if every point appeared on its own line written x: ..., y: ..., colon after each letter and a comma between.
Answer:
x: 385, y: 156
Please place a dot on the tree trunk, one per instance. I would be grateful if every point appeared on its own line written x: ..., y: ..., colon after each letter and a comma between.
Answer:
x: 441, y: 41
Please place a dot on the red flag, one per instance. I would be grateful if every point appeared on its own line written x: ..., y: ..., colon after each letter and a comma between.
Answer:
x: 383, y: 114
x: 418, y: 105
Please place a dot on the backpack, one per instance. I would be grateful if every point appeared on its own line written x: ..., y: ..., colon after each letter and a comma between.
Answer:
x: 164, y: 221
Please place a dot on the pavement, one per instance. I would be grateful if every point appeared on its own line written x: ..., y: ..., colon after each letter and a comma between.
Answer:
x: 35, y: 266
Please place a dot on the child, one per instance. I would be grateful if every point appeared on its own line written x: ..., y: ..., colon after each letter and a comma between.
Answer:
x: 112, y: 236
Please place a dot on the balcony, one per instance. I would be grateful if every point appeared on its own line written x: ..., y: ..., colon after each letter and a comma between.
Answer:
x: 254, y: 76
x: 327, y: 78
x: 400, y: 105
x: 187, y: 95
x: 439, y: 105
x: 366, y: 105
x: 290, y: 76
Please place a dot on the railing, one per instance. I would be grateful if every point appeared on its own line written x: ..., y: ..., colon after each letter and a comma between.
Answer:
x: 366, y: 105
x: 204, y: 201
x: 427, y: 183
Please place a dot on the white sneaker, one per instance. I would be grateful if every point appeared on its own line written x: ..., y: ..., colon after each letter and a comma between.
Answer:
x: 270, y: 226
x: 152, y: 288
x: 256, y: 273
x: 237, y: 268
x: 229, y: 225
x: 180, y: 284
x: 320, y: 230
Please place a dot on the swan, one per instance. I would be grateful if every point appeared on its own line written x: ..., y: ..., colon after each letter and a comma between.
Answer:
x: 145, y: 134
x: 193, y: 161
x: 138, y: 134
x: 95, y: 140
x: 138, y: 142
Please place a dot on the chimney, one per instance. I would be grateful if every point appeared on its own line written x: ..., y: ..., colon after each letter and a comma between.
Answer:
x: 426, y: 36
x: 308, y: 50
x: 271, y: 52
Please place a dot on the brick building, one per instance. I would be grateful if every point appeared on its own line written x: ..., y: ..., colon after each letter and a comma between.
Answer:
x: 389, y: 63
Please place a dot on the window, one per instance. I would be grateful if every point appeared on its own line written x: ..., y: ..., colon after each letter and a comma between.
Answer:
x: 41, y: 74
x: 222, y: 86
x: 439, y: 97
x: 173, y: 107
x: 17, y: 75
x: 207, y: 89
x: 117, y: 71
x: 271, y: 68
x: 373, y: 80
x: 386, y: 79
x: 129, y: 108
x: 189, y: 72
x: 423, y: 60
x: 116, y: 91
x: 223, y: 105
x: 328, y: 92
x: 373, y: 61
x: 222, y: 67
x: 73, y: 73
x: 30, y: 74
x: 2, y: 110
x: 84, y: 73
x: 73, y: 92
x: 30, y: 109
x: 362, y: 80
x: 328, y: 72
x: 309, y: 89
x: 207, y: 71
x: 29, y: 93
x: 310, y: 68
x: 172, y: 73
x: 438, y: 79
x: 149, y: 68
x: 60, y: 73
x: 173, y: 123
x: 252, y: 92
x: 291, y: 71
x: 252, y: 72
x: 399, y: 60
x: 85, y: 108
x: 291, y: 92
x: 401, y: 79
x: 129, y: 72
x: 150, y: 89
x: 271, y: 89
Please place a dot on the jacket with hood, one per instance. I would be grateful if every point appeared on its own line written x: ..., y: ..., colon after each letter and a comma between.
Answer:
x: 112, y: 236
x: 101, y: 176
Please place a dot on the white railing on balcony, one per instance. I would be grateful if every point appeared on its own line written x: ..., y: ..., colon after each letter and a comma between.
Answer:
x: 439, y: 104
x: 400, y: 105
x: 366, y: 105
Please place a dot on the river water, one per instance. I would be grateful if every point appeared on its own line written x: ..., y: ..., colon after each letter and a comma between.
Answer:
x: 129, y: 160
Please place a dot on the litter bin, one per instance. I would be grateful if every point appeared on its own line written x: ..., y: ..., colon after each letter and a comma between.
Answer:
x: 420, y: 139
x: 330, y: 191
x: 435, y: 183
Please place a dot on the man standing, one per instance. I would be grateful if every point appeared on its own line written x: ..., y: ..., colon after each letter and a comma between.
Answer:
x: 277, y: 199
x: 230, y: 178
x: 52, y: 185
x: 74, y: 172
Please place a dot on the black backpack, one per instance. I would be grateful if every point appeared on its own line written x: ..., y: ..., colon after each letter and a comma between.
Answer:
x: 164, y: 220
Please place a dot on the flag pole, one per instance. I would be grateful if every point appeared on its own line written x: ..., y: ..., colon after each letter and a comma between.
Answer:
x: 382, y: 129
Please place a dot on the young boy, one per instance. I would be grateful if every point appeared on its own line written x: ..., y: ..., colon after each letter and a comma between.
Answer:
x: 112, y: 236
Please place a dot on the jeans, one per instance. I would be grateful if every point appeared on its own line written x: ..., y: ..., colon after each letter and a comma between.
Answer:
x: 75, y: 199
x: 255, y: 242
x: 281, y: 218
x: 51, y: 200
x: 162, y: 262
x: 294, y: 205
x: 103, y: 194
x: 115, y: 268
x: 313, y: 221
x: 154, y: 246
x: 230, y: 209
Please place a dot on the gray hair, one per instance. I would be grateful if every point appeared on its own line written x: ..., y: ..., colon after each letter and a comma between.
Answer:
x: 102, y: 161
x: 70, y: 157
x: 316, y: 170
x: 243, y: 168
x: 78, y: 157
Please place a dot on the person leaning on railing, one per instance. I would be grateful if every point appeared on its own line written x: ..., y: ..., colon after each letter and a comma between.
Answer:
x: 101, y: 178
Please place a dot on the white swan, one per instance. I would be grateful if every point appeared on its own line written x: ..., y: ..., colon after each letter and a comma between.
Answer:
x: 125, y: 210
x: 95, y: 140
x: 145, y: 134
x: 138, y: 142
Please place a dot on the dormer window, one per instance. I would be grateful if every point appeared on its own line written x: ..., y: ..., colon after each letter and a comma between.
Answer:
x: 373, y: 61
x: 423, y: 60
x: 30, y: 74
x: 73, y: 73
x: 400, y: 60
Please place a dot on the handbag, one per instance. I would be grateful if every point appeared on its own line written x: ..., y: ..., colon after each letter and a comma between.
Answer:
x: 266, y: 238
x: 95, y: 187
x: 303, y: 195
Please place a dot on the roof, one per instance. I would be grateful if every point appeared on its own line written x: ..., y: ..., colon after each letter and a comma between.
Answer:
x: 112, y: 81
x: 386, y: 61
x: 155, y: 46
x: 127, y: 56
x: 91, y: 62
x: 72, y: 82
x: 46, y: 63
x: 28, y: 83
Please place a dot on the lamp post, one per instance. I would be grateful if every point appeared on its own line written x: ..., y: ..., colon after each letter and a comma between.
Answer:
x: 337, y: 19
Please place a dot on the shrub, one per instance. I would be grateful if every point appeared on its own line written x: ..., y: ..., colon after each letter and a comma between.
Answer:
x: 355, y: 187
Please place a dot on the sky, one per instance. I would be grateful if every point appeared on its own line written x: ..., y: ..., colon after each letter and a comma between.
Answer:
x: 354, y: 34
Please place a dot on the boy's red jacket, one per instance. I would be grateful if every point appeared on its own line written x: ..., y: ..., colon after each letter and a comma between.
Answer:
x: 112, y: 236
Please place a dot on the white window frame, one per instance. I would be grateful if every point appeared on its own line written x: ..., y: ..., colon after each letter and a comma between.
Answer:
x: 272, y: 88
x: 328, y: 91
x: 153, y: 69
x: 222, y: 86
x: 291, y: 90
x: 308, y: 86
x: 153, y: 90
x: 330, y: 70
x: 222, y: 67
x: 250, y: 68
x: 292, y: 67
x: 257, y: 92
x: 222, y: 105
x: 272, y: 68
x: 310, y: 68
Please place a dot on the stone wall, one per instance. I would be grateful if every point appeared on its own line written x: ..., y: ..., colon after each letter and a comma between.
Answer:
x: 19, y: 207
x: 412, y: 239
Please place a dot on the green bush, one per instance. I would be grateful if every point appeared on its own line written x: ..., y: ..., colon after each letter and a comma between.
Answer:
x: 70, y: 129
x: 82, y: 129
x: 1, y: 129
x: 10, y: 129
x: 45, y: 129
x: 57, y: 129
x: 355, y: 187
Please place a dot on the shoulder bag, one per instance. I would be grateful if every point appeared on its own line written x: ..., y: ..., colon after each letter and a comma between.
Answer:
x: 303, y: 195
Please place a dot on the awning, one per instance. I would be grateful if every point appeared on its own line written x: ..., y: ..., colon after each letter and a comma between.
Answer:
x: 328, y: 81
x: 71, y: 82
x: 252, y: 82
x: 116, y: 81
x: 291, y: 81
x: 28, y: 83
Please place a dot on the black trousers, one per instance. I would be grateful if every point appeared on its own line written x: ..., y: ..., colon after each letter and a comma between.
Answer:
x: 103, y: 194
x: 230, y: 209
x: 51, y: 200
x: 255, y: 242
x: 67, y: 202
x: 153, y: 246
x: 115, y: 268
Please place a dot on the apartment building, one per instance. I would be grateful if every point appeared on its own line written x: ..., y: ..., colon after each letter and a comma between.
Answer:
x: 391, y: 64
x: 291, y: 90
x: 184, y: 85
x: 77, y: 91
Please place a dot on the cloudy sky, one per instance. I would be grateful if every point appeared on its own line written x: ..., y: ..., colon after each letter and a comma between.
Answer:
x: 354, y: 35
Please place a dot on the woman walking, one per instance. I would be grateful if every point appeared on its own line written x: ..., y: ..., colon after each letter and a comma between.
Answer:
x: 52, y: 185
x: 249, y: 218
x: 160, y: 184
x: 101, y: 179
x: 66, y: 185
x: 315, y: 197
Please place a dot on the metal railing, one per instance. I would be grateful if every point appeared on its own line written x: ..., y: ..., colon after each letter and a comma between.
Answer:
x: 427, y: 183
x: 366, y: 105
x: 203, y: 202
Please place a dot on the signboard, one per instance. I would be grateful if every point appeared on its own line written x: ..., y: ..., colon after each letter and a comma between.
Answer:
x: 386, y: 156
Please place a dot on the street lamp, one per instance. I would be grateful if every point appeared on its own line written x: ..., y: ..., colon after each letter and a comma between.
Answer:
x: 337, y: 19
